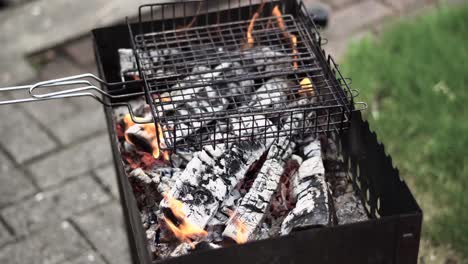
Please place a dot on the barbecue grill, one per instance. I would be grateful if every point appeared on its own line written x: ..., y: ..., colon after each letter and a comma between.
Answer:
x: 169, y: 40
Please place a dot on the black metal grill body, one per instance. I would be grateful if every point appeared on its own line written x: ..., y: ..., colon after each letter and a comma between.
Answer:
x: 391, y: 236
x: 221, y: 95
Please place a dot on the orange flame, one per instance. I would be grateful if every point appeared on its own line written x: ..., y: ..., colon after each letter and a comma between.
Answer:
x: 292, y: 38
x: 185, y: 231
x: 306, y: 87
x: 241, y: 233
x: 250, y: 39
x: 150, y: 129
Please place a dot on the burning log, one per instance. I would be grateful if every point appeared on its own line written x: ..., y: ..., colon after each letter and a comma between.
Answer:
x: 250, y: 213
x: 311, y: 191
x: 212, y: 174
x: 253, y: 206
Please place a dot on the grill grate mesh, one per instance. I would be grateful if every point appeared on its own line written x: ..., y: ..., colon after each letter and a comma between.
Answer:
x: 206, y: 85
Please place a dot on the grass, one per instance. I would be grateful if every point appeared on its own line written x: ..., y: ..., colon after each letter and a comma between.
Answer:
x: 415, y: 79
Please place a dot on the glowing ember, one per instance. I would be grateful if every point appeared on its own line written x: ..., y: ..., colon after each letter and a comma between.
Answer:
x: 150, y: 129
x: 185, y: 231
x: 292, y: 38
x: 307, y: 87
x: 241, y: 232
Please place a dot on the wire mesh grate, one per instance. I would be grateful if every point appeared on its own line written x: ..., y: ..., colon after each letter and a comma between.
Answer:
x: 211, y: 84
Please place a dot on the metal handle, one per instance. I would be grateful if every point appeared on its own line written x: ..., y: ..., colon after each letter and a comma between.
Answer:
x: 86, y: 88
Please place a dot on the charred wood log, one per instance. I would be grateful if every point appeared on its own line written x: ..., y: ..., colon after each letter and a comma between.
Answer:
x: 211, y: 175
x: 255, y: 203
x: 253, y: 206
x: 312, y: 195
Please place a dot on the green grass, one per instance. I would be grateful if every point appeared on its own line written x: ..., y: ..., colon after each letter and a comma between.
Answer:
x: 415, y: 79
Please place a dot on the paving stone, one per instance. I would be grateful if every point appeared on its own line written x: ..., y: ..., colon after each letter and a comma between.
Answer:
x: 54, y: 205
x: 5, y: 236
x: 47, y: 23
x: 89, y: 258
x: 72, y: 161
x: 50, y: 113
x: 104, y: 227
x: 356, y: 17
x: 107, y: 176
x: 52, y: 245
x: 339, y: 4
x: 404, y: 6
x: 58, y: 68
x: 14, y: 185
x: 81, y: 51
x: 21, y: 136
x: 82, y: 124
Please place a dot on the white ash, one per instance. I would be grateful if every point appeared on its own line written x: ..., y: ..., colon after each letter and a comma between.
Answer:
x: 349, y: 209
x: 180, y: 250
x: 348, y: 206
x: 227, y: 206
x: 143, y: 176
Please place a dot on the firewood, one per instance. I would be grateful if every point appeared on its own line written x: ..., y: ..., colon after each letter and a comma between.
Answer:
x: 211, y: 175
x: 255, y: 203
x: 312, y: 194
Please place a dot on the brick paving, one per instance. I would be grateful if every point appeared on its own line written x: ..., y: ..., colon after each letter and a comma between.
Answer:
x: 58, y: 191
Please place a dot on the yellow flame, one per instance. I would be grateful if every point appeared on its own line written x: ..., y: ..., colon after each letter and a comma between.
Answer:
x: 150, y: 129
x: 307, y: 87
x: 292, y: 38
x: 185, y: 231
x: 241, y: 229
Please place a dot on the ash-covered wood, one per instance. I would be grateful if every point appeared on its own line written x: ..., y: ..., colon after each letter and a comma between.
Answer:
x: 255, y: 203
x: 227, y: 206
x: 311, y: 192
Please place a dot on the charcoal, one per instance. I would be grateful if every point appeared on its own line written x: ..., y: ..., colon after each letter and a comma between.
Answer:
x: 271, y: 95
x: 127, y: 62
